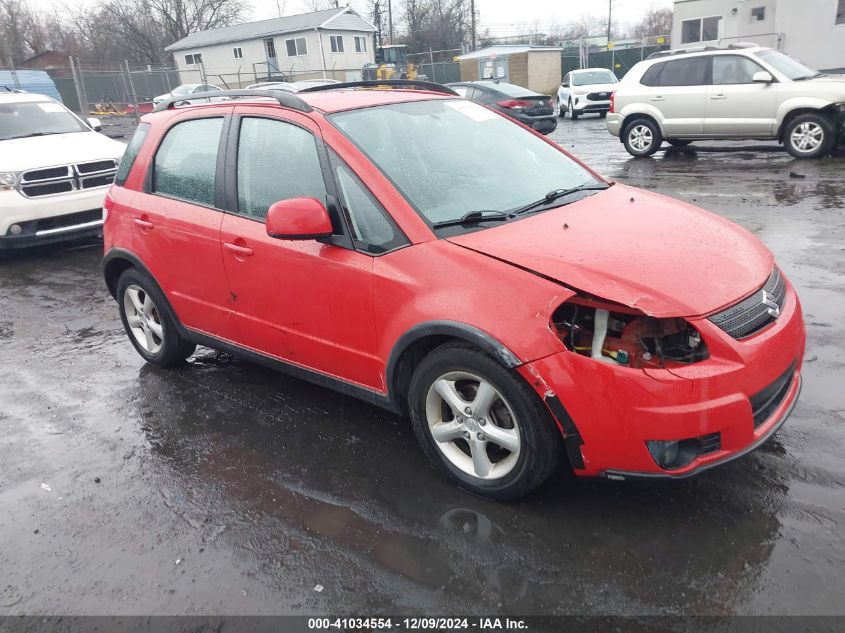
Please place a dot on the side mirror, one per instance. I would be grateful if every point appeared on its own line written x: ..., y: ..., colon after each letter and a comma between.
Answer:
x: 298, y: 219
x: 564, y: 85
x: 762, y: 77
x: 94, y: 124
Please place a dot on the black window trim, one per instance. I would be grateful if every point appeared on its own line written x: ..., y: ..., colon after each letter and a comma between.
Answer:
x: 149, y: 177
x: 401, y: 237
x: 229, y: 181
x: 144, y: 130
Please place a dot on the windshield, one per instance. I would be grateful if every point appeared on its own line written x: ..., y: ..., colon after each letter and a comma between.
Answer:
x: 593, y: 77
x: 786, y: 65
x: 37, y: 118
x: 451, y: 157
x: 184, y: 89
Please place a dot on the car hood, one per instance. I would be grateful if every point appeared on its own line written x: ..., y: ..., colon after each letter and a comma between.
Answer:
x: 595, y: 88
x: 21, y: 154
x: 641, y: 249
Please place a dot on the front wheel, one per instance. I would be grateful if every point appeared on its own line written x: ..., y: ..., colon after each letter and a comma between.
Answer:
x: 148, y: 322
x: 572, y: 113
x: 482, y: 425
x: 642, y: 137
x: 560, y: 109
x: 809, y: 136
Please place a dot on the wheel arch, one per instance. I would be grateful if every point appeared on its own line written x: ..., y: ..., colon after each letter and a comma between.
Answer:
x: 627, y: 118
x: 827, y: 111
x: 118, y: 260
x: 424, y: 337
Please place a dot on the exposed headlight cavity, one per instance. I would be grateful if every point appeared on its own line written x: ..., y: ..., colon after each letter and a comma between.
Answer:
x: 8, y: 180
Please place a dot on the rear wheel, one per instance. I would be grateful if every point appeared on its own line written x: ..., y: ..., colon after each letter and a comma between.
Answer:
x: 482, y: 425
x: 642, y: 137
x: 676, y: 142
x: 146, y: 317
x: 809, y: 136
x: 560, y: 109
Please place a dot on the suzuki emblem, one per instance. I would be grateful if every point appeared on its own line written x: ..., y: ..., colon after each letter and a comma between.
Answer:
x: 771, y: 304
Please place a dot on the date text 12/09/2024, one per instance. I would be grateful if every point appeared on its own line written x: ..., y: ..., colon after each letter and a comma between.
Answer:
x: 418, y: 624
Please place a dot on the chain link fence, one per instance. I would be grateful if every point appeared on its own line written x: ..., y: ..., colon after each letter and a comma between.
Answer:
x: 620, y: 59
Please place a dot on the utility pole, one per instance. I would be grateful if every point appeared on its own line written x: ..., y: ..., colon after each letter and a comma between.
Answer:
x: 390, y: 20
x: 472, y: 18
x: 609, y: 14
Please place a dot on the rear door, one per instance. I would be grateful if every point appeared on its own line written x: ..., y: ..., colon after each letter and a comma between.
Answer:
x: 736, y: 106
x: 306, y: 302
x: 679, y: 94
x: 176, y: 221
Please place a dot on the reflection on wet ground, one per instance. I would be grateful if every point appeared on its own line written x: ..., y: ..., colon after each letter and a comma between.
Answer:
x: 221, y: 487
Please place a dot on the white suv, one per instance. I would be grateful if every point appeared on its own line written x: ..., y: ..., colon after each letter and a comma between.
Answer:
x: 55, y: 170
x: 743, y: 91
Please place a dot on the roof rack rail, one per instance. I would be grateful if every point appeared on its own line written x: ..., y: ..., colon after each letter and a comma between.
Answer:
x: 682, y: 51
x: 285, y: 99
x: 16, y: 90
x: 391, y: 83
x: 743, y: 45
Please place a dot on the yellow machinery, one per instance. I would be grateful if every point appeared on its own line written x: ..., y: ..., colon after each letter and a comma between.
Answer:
x: 391, y: 63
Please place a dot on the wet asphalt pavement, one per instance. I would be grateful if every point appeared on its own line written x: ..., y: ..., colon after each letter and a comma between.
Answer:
x: 224, y: 488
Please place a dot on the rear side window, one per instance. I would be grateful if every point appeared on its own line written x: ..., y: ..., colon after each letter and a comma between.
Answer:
x: 684, y: 72
x: 276, y: 161
x: 186, y: 161
x: 651, y: 77
x: 131, y: 153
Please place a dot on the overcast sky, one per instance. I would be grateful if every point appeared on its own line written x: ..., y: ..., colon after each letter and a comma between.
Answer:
x: 502, y: 17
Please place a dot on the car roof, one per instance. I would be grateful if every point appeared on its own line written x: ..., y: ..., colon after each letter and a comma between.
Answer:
x: 590, y: 70
x: 325, y: 101
x: 21, y: 97
x: 699, y: 51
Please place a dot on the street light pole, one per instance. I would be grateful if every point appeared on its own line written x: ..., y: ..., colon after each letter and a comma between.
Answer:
x: 472, y: 17
x: 390, y: 20
x: 609, y: 14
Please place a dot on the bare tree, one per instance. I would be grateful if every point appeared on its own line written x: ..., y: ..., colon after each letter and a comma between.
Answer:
x: 436, y: 24
x: 655, y: 22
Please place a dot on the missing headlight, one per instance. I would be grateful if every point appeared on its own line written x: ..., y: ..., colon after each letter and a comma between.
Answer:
x: 617, y: 334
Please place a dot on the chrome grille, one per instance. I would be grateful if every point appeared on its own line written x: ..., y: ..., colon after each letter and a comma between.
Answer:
x: 598, y: 96
x: 756, y: 312
x: 51, y: 181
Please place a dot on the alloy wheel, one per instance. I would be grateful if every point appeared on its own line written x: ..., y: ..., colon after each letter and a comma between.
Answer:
x: 807, y: 137
x: 640, y: 137
x: 473, y: 425
x: 144, y: 319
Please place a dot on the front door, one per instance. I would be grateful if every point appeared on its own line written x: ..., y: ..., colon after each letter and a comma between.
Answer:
x: 176, y: 224
x: 680, y: 95
x: 736, y: 106
x: 306, y: 302
x: 270, y: 55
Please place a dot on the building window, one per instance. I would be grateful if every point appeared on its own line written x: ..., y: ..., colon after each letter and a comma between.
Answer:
x: 840, y: 12
x: 360, y: 44
x: 237, y: 52
x: 296, y: 47
x: 700, y: 30
x: 758, y: 14
x: 337, y: 43
x: 193, y: 60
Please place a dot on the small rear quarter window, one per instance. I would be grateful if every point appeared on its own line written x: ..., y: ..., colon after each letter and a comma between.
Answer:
x: 130, y: 153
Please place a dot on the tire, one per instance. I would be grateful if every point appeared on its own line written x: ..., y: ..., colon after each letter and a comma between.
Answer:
x: 642, y: 137
x: 676, y: 142
x: 466, y: 450
x: 809, y: 136
x: 561, y: 111
x: 602, y: 115
x: 148, y: 320
x: 572, y: 113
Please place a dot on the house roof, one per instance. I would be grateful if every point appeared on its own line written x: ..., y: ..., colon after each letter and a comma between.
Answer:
x: 503, y: 50
x: 341, y: 18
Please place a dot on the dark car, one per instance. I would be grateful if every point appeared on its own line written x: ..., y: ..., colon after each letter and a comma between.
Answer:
x: 526, y: 106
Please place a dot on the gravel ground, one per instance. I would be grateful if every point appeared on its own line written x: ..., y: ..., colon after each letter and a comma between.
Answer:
x: 224, y: 488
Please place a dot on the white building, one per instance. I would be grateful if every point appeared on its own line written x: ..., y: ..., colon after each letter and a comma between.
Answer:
x: 812, y: 31
x: 334, y: 43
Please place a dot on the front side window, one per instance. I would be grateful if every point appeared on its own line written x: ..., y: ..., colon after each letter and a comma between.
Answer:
x: 451, y: 157
x: 336, y: 43
x: 186, y: 161
x: 733, y: 69
x: 37, y: 118
x: 276, y: 161
x: 684, y: 72
x: 296, y: 47
x: 130, y: 153
x: 372, y: 230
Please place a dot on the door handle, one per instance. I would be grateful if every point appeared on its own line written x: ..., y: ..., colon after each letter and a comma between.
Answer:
x: 242, y: 251
x: 718, y: 96
x: 658, y: 98
x: 144, y: 224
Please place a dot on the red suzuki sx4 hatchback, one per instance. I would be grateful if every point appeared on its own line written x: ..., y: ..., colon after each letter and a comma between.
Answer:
x: 429, y: 255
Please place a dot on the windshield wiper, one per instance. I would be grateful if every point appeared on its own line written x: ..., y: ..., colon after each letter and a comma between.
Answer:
x: 556, y: 194
x: 9, y: 138
x: 473, y: 217
x: 804, y: 77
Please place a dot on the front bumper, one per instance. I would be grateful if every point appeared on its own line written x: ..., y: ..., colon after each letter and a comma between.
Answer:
x: 614, y: 410
x: 582, y: 105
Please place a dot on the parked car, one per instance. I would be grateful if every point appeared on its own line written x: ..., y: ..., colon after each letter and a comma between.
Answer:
x: 428, y: 255
x: 586, y: 91
x: 291, y: 86
x: 184, y: 90
x: 526, y: 106
x: 743, y: 91
x: 55, y: 170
